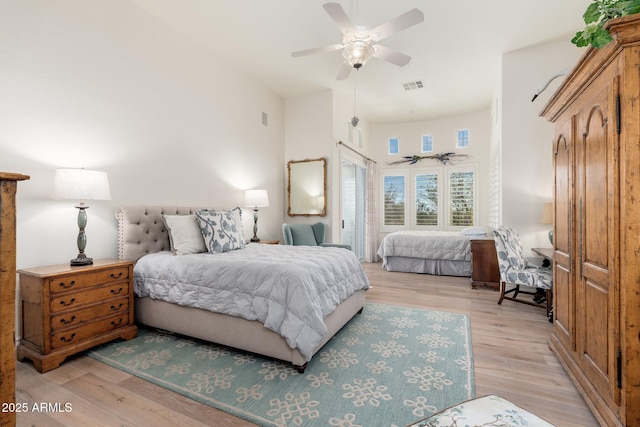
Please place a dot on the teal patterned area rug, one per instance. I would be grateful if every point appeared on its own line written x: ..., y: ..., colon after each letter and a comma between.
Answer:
x: 389, y: 366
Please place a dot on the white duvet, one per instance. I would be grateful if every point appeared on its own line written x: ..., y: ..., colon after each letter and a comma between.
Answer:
x: 290, y: 289
x: 433, y: 245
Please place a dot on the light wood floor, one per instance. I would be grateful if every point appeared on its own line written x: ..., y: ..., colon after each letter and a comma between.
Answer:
x: 511, y: 359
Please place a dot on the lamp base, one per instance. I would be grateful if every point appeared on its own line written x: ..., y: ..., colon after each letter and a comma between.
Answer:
x: 255, y: 240
x: 82, y: 259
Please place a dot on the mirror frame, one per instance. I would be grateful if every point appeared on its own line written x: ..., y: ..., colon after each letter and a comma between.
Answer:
x: 323, y: 212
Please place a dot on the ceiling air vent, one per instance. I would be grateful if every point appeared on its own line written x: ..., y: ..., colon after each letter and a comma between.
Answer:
x: 413, y: 85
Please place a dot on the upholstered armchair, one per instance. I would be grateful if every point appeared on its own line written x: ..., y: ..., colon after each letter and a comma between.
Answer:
x: 307, y: 235
x: 515, y: 270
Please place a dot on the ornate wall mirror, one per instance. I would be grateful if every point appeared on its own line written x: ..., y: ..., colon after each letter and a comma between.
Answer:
x: 307, y: 187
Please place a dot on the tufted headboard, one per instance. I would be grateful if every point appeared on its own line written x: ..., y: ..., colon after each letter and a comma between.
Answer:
x: 141, y: 229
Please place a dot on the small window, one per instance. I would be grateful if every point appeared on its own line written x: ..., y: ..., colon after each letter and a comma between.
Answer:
x: 461, y: 198
x: 426, y: 199
x: 427, y: 143
x: 394, y: 146
x: 394, y: 200
x: 463, y: 139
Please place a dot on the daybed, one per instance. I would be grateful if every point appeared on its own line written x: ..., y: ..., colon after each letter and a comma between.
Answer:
x: 255, y: 323
x: 446, y: 253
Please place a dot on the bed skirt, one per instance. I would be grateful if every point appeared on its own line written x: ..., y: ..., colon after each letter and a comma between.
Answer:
x: 248, y: 335
x: 440, y: 267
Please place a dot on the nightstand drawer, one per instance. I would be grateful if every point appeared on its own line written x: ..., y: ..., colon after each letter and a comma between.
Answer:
x: 112, y: 275
x: 77, y: 299
x: 73, y: 318
x: 89, y: 330
x: 76, y: 281
x: 71, y: 283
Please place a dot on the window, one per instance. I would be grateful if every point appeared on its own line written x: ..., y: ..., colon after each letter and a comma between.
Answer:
x: 427, y: 203
x: 436, y: 198
x: 394, y: 200
x: 463, y: 139
x: 427, y: 144
x: 461, y: 198
x: 394, y: 146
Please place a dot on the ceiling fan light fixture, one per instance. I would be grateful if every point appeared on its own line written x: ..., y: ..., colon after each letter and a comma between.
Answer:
x: 358, y: 53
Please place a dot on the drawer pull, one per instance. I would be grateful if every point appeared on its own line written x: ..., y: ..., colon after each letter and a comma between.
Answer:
x: 116, y: 324
x: 116, y: 276
x: 67, y: 322
x: 65, y: 339
x: 113, y: 307
x: 67, y: 304
x: 64, y: 285
x: 113, y: 291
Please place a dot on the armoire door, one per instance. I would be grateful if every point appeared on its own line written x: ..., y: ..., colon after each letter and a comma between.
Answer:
x: 563, y: 285
x: 597, y: 308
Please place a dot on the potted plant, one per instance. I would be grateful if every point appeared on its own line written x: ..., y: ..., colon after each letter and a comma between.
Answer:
x: 596, y: 15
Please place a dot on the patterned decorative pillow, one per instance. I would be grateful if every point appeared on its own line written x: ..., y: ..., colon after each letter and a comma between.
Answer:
x: 222, y: 230
x: 184, y: 234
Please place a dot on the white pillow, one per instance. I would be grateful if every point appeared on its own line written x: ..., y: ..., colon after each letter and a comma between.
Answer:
x: 184, y: 234
x: 473, y: 231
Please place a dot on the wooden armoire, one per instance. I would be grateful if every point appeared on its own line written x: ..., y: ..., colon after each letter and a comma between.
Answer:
x: 8, y: 185
x: 596, y: 150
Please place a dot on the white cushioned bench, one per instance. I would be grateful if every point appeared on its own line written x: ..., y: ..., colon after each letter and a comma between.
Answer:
x: 488, y: 410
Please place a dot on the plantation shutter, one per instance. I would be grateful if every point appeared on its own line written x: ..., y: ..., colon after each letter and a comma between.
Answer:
x: 461, y: 198
x: 394, y: 200
x: 426, y: 198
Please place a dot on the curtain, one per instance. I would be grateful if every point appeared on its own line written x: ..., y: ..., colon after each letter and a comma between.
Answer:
x: 372, y: 217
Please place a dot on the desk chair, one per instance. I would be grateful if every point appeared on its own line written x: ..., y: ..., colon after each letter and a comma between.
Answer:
x: 516, y: 270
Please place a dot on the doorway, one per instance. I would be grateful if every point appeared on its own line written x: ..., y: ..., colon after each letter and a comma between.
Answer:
x: 353, y: 179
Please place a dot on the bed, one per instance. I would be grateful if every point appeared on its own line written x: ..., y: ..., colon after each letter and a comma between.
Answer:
x: 170, y: 288
x: 446, y: 253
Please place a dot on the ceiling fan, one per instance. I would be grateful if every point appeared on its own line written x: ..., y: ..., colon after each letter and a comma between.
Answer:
x: 359, y: 44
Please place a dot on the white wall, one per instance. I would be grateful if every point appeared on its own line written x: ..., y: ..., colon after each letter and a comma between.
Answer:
x: 106, y: 86
x: 315, y: 123
x: 308, y: 135
x: 527, y: 162
x: 444, y: 132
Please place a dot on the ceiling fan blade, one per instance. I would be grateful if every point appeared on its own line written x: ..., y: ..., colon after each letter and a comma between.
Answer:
x: 339, y: 16
x: 317, y: 50
x: 404, y: 21
x: 390, y: 55
x: 344, y: 71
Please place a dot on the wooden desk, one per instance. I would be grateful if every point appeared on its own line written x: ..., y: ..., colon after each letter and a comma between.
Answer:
x: 546, y: 253
x: 484, y: 264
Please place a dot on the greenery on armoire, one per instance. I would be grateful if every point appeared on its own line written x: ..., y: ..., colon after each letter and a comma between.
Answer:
x: 596, y: 15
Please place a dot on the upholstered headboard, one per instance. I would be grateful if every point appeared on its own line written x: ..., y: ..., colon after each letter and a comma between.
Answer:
x: 141, y: 229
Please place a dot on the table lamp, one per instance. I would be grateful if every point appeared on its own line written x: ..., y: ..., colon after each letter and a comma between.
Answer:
x: 256, y: 199
x: 81, y: 184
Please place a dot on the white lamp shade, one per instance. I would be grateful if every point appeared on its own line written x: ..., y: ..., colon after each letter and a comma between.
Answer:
x: 81, y: 184
x: 547, y: 214
x: 256, y: 198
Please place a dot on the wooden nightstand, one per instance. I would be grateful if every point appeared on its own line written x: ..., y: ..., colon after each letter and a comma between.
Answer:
x: 67, y: 309
x: 269, y: 242
x: 484, y: 264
